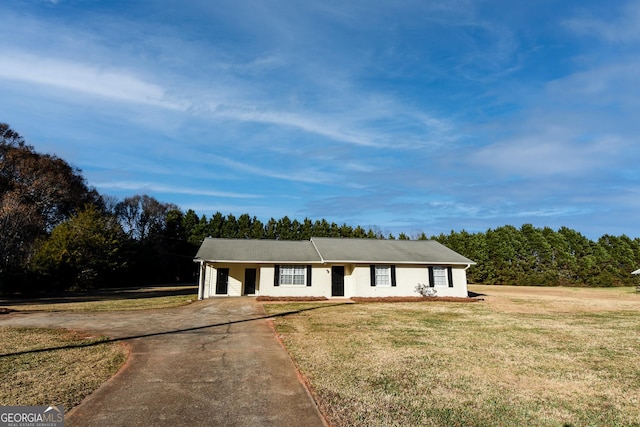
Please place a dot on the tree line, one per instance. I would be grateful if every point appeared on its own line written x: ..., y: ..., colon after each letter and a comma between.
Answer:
x: 58, y: 233
x: 545, y: 257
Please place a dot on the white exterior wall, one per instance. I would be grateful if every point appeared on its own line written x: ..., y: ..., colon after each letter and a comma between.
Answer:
x: 320, y: 283
x: 459, y: 284
x: 236, y: 278
x: 407, y: 278
x: 357, y: 281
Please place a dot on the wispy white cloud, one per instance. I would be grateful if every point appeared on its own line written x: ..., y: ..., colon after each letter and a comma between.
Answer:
x: 167, y: 189
x: 613, y: 83
x: 549, y: 212
x: 551, y: 150
x: 323, y: 126
x: 117, y: 85
x: 308, y: 174
x: 624, y: 27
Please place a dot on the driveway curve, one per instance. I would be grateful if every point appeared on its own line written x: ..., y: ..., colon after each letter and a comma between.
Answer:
x: 211, y: 363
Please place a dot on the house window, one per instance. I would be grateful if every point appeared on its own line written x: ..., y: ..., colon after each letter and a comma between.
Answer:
x: 383, y: 275
x: 293, y: 275
x: 440, y: 276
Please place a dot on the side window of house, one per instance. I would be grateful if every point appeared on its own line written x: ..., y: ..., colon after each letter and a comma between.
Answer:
x: 440, y: 276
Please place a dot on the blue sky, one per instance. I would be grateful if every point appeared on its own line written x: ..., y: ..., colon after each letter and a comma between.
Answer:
x: 405, y: 115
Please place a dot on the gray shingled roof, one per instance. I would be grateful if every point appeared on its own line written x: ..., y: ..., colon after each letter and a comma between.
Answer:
x: 330, y: 250
x: 387, y: 251
x: 242, y: 250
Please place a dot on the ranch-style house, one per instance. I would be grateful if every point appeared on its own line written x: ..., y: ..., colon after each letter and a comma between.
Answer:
x: 329, y: 267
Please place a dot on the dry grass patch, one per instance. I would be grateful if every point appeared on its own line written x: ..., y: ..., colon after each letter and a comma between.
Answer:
x: 61, y: 377
x: 558, y: 299
x: 512, y: 360
x: 107, y: 304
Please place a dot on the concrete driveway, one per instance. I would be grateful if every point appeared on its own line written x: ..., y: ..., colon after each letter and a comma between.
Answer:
x: 212, y: 363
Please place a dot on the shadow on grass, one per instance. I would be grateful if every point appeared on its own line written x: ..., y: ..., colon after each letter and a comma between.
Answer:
x: 157, y: 334
x: 474, y: 294
x: 138, y: 292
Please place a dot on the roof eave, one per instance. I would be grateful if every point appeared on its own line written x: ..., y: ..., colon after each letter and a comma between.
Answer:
x: 235, y: 261
x: 360, y: 261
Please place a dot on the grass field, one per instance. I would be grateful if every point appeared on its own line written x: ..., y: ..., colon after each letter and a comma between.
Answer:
x: 120, y: 304
x: 61, y: 377
x: 523, y: 356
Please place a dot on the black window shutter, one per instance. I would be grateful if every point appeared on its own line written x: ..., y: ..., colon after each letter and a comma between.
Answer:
x: 276, y: 275
x: 431, y: 283
x: 450, y: 275
x: 373, y: 275
x: 309, y: 275
x: 393, y: 275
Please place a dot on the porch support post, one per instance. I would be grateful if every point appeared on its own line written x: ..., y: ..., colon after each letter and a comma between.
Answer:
x: 201, y: 281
